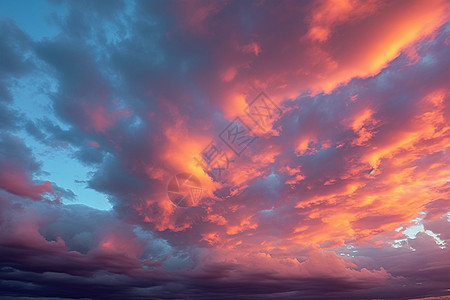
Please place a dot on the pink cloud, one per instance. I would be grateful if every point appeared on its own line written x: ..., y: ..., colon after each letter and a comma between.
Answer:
x: 16, y: 181
x: 99, y: 118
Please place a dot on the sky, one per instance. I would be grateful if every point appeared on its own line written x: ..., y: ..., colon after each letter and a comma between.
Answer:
x: 225, y: 149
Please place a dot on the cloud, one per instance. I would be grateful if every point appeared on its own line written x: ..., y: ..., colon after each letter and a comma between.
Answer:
x: 16, y: 168
x: 315, y: 207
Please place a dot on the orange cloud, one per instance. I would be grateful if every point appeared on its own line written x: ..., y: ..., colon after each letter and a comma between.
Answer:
x: 328, y: 14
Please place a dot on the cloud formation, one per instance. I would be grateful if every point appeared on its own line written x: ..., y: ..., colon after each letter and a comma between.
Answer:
x: 345, y: 196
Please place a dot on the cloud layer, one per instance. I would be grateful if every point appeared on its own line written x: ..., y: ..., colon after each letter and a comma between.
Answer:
x: 345, y: 195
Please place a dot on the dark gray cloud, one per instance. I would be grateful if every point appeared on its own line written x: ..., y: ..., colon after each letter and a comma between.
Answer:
x: 14, y: 62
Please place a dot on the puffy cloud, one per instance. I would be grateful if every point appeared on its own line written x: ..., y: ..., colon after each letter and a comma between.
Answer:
x: 16, y: 168
x: 320, y: 205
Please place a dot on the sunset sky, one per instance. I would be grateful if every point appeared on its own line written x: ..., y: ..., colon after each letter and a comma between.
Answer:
x: 338, y: 187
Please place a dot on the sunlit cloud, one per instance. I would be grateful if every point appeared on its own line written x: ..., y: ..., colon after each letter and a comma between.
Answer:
x: 247, y: 150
